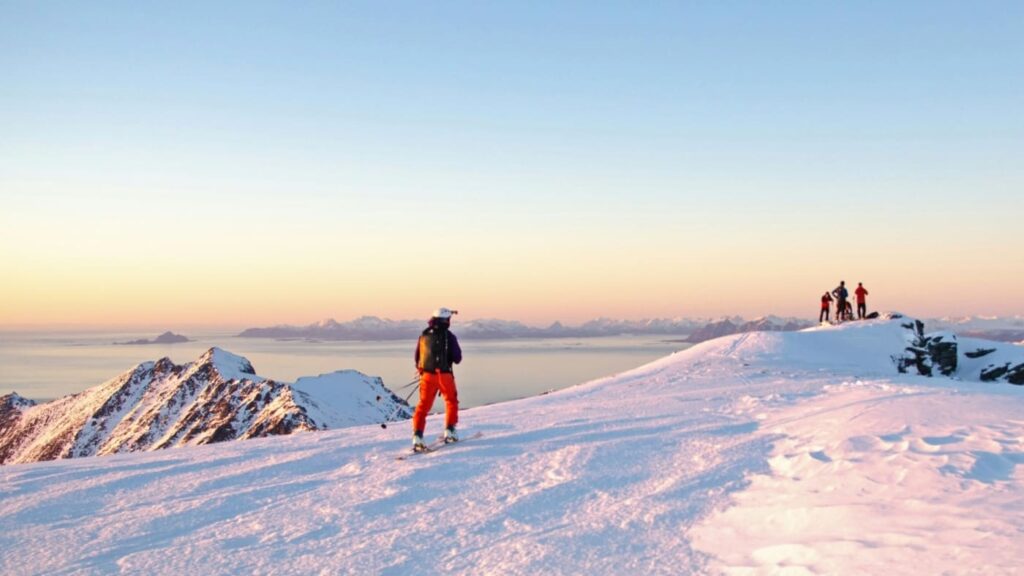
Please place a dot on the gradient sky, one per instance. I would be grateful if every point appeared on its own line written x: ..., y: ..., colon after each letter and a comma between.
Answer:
x: 169, y: 164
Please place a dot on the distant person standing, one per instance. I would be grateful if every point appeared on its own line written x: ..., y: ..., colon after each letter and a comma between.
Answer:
x: 862, y: 305
x: 826, y: 305
x: 841, y: 295
x: 437, y: 350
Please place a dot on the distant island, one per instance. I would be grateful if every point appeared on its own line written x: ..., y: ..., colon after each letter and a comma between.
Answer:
x: 165, y: 338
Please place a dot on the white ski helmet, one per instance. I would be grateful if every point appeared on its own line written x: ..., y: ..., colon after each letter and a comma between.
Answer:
x: 444, y: 313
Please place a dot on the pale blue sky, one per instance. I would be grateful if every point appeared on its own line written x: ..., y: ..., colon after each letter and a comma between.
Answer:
x: 739, y: 125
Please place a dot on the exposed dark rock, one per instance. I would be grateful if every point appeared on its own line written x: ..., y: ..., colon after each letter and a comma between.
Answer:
x: 916, y: 326
x: 993, y: 373
x: 918, y: 360
x: 927, y: 354
x: 936, y: 354
x: 1016, y: 375
x: 942, y: 350
x: 1012, y: 374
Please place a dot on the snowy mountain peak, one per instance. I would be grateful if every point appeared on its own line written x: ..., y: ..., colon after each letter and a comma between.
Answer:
x: 369, y: 321
x: 14, y: 401
x: 162, y: 404
x: 229, y: 366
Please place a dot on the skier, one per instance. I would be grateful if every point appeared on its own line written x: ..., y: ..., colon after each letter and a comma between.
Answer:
x: 862, y: 305
x: 436, y: 351
x: 840, y: 293
x: 826, y: 303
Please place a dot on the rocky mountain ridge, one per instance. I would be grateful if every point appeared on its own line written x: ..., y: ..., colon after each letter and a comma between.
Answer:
x: 160, y: 404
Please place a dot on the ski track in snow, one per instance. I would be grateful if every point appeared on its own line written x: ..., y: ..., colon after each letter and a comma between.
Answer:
x: 725, y: 458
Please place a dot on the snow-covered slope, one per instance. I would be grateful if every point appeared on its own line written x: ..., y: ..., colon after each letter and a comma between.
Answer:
x: 761, y: 453
x: 160, y: 404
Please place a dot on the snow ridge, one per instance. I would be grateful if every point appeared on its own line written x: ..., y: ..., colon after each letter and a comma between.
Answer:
x: 160, y: 405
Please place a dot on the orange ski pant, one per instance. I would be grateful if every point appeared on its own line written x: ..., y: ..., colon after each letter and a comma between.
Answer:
x: 430, y: 384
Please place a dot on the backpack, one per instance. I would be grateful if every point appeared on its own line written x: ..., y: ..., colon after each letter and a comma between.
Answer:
x: 434, y: 353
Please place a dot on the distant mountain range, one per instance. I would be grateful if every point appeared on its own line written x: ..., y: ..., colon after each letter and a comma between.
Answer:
x: 374, y: 328
x: 1001, y: 329
x: 767, y: 324
x: 161, y: 404
x: 1005, y: 329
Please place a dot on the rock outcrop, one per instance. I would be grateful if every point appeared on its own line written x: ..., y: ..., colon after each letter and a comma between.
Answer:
x: 929, y: 353
x: 946, y: 354
x: 1006, y: 371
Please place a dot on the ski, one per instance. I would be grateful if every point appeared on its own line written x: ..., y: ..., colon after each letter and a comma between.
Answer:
x: 437, y: 445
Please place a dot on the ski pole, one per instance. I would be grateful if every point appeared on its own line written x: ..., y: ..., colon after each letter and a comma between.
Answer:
x: 384, y: 424
x: 415, y: 380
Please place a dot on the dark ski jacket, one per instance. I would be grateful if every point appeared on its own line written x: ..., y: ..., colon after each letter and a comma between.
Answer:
x: 430, y: 360
x: 840, y: 293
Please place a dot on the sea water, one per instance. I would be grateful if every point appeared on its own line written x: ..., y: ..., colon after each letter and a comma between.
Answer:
x: 47, y: 365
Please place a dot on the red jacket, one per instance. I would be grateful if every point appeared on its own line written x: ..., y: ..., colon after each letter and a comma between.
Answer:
x: 825, y: 300
x: 861, y: 292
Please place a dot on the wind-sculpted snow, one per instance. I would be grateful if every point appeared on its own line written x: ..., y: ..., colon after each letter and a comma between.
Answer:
x: 876, y: 476
x: 161, y: 405
x: 762, y: 453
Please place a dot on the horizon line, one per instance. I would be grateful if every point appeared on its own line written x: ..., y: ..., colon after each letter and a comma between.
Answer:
x: 83, y: 326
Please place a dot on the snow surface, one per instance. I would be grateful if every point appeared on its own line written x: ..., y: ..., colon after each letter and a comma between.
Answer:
x: 349, y: 398
x: 1001, y: 354
x: 794, y: 453
x: 230, y: 366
